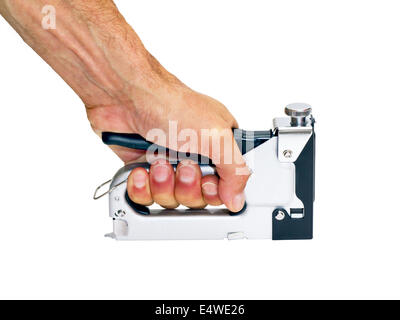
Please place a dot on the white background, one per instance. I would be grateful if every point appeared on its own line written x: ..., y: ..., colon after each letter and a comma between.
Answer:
x: 343, y: 57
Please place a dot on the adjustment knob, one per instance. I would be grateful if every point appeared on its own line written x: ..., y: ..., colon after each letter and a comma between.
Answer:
x: 298, y: 113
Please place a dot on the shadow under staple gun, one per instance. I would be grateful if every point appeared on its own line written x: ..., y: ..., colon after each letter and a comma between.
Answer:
x: 279, y: 193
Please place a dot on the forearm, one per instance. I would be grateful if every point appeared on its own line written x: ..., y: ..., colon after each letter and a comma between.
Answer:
x: 92, y: 47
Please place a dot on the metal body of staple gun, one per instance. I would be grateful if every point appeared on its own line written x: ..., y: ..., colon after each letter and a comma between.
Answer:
x: 279, y: 193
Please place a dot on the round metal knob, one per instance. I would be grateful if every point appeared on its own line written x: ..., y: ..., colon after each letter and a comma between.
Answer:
x: 299, y: 113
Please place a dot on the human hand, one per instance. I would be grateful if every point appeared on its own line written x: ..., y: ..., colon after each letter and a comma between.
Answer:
x: 187, y: 187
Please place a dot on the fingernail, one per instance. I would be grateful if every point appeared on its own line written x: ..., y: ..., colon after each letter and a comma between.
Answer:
x: 186, y: 173
x: 139, y: 179
x: 160, y: 172
x: 238, y: 202
x: 210, y: 188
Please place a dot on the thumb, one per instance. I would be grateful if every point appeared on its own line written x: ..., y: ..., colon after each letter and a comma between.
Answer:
x: 233, y: 178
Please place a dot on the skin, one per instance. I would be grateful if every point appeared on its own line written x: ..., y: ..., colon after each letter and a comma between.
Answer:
x: 125, y: 89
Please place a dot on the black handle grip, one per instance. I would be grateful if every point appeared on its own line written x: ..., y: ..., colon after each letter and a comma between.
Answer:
x: 127, y: 140
x: 246, y: 140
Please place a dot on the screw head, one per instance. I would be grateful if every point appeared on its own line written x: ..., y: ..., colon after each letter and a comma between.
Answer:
x: 120, y: 213
x: 298, y: 110
x: 280, y: 215
x: 288, y: 153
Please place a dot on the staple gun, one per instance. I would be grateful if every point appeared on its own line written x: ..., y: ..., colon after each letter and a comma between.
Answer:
x: 279, y: 194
